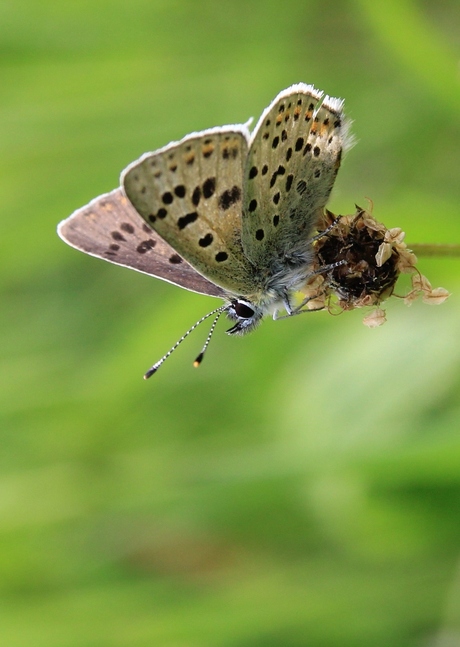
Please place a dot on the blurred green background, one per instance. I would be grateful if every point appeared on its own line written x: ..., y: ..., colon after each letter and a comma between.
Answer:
x: 302, y: 488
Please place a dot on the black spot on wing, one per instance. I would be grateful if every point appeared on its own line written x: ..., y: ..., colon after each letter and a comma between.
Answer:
x: 208, y: 148
x: 146, y: 245
x: 229, y: 197
x: 196, y: 196
x: 229, y: 152
x: 279, y: 171
x: 187, y: 219
x: 206, y: 240
x: 209, y: 187
x: 180, y: 191
x: 301, y: 187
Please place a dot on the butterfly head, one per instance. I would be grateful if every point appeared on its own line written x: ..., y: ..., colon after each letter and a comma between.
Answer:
x: 246, y: 315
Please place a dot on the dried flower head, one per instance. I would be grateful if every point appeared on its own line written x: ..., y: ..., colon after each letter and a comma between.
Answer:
x: 368, y: 260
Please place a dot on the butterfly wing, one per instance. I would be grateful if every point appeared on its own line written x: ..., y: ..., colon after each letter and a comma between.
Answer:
x: 191, y: 192
x: 110, y: 228
x: 293, y: 159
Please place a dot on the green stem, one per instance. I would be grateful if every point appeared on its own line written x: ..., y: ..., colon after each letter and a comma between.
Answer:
x: 435, y: 249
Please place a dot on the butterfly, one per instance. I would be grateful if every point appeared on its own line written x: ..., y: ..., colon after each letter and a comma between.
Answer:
x: 226, y: 212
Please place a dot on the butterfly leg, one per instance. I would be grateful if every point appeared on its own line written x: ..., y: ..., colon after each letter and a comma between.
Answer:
x: 321, y: 270
x: 297, y: 311
x: 287, y: 307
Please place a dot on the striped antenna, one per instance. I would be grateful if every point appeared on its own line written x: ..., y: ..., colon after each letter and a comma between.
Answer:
x: 156, y: 366
x: 199, y: 359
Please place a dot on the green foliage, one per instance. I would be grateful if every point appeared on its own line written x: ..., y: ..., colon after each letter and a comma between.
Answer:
x: 302, y: 487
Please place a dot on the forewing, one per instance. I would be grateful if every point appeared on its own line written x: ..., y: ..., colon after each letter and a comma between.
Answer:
x: 191, y: 193
x: 293, y: 159
x: 110, y: 228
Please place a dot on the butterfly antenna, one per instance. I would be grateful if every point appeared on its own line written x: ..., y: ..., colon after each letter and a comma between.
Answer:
x: 323, y: 233
x: 199, y: 359
x: 156, y: 366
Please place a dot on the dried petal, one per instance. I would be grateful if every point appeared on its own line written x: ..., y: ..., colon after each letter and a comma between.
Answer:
x: 370, y: 222
x: 420, y: 282
x: 383, y: 254
x: 375, y: 319
x: 436, y: 296
x: 395, y: 236
x: 367, y: 300
x: 406, y: 261
x: 313, y: 286
x: 411, y: 297
x: 318, y: 303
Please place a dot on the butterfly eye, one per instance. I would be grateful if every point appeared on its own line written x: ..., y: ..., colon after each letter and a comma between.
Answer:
x: 243, y: 310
